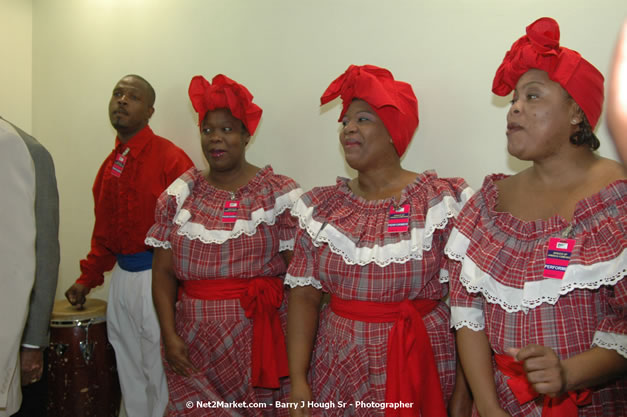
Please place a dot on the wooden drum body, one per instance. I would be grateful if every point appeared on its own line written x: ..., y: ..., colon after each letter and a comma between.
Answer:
x: 82, y: 373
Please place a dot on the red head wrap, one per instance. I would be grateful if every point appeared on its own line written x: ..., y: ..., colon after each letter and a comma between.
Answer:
x: 540, y: 49
x: 394, y: 101
x: 224, y: 93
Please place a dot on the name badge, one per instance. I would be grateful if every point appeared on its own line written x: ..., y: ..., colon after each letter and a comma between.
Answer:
x: 229, y: 215
x: 398, y: 219
x: 558, y: 257
x: 118, y: 163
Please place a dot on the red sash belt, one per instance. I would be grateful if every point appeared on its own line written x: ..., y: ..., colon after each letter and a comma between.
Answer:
x: 260, y: 298
x: 412, y: 375
x: 563, y: 406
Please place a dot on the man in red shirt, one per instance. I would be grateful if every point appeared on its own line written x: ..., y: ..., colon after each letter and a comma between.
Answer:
x: 126, y: 189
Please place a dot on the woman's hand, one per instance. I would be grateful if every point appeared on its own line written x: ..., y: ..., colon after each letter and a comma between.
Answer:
x: 543, y: 368
x: 177, y: 356
x: 300, y: 396
x: 551, y: 376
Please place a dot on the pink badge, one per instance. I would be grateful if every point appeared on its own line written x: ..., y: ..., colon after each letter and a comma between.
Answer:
x: 118, y: 164
x: 398, y: 219
x: 558, y: 257
x: 229, y: 215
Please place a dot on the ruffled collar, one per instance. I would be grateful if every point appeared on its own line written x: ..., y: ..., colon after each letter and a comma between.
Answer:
x: 360, y: 203
x: 503, y: 256
x: 265, y: 197
x: 250, y: 187
x: 356, y: 228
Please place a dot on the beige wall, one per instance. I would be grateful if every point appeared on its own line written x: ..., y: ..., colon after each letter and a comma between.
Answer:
x: 286, y: 52
x: 16, y: 44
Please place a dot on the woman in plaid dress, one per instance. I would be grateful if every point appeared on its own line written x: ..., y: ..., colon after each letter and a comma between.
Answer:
x: 225, y: 235
x: 375, y: 244
x: 539, y: 298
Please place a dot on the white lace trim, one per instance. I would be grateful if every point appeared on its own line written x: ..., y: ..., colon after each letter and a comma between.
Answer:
x: 612, y: 341
x: 444, y: 276
x: 286, y: 245
x: 535, y: 293
x: 151, y: 241
x: 456, y: 246
x: 179, y: 190
x: 472, y: 318
x: 399, y: 252
x: 249, y: 227
x: 293, y: 281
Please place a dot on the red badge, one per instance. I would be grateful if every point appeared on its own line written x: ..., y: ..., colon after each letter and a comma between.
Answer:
x: 229, y: 215
x: 398, y: 219
x: 558, y: 257
x: 118, y: 163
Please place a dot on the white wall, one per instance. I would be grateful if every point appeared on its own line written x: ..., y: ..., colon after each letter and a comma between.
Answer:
x: 286, y: 52
x: 16, y: 62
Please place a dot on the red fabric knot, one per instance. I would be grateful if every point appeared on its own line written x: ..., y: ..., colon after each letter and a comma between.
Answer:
x: 223, y: 92
x: 261, y: 302
x: 412, y: 375
x: 540, y: 49
x: 394, y: 101
x: 562, y: 406
x: 544, y: 35
x: 260, y: 298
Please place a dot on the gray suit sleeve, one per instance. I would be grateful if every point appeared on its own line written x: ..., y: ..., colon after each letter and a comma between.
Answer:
x: 46, y: 245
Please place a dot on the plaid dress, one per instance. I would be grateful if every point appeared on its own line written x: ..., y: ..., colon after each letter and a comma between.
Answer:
x: 343, y: 248
x: 499, y: 287
x: 217, y: 332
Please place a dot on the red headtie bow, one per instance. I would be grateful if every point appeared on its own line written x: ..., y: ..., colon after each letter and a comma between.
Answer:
x: 540, y: 49
x: 394, y: 101
x: 224, y: 93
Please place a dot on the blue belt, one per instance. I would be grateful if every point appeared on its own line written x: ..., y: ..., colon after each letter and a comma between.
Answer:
x: 135, y: 262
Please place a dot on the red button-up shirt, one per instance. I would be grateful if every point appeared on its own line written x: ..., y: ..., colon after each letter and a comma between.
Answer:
x: 125, y: 205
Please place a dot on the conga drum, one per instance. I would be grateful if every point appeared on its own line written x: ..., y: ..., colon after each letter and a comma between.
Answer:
x: 82, y: 373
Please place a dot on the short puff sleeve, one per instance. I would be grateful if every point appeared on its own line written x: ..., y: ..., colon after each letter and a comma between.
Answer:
x: 611, y: 332
x: 303, y: 269
x: 167, y: 207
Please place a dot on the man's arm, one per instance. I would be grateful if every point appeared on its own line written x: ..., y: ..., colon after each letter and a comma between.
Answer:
x: 47, y: 254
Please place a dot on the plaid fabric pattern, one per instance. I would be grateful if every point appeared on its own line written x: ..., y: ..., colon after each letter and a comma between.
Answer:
x: 217, y: 332
x: 219, y: 338
x: 512, y: 252
x: 357, y: 229
x: 244, y: 256
x: 349, y: 358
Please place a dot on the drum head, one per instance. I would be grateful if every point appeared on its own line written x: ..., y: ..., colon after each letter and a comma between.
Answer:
x: 65, y: 312
x: 82, y: 372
